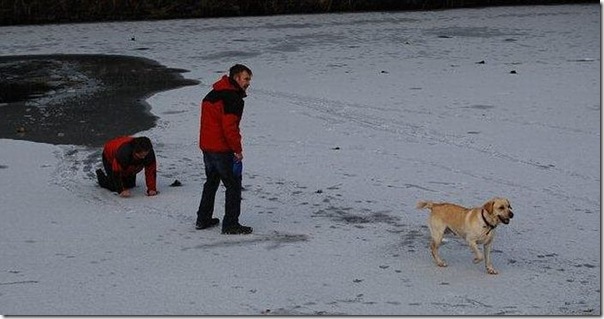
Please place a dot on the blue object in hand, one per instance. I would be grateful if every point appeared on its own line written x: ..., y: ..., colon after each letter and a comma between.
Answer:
x: 238, y: 168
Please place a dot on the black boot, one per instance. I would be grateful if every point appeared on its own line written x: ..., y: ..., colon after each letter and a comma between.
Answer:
x: 207, y: 223
x: 101, y: 178
x: 237, y: 230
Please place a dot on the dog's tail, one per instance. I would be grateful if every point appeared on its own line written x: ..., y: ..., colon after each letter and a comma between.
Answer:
x: 424, y: 204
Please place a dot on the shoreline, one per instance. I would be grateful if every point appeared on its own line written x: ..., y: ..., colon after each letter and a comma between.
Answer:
x: 80, y: 99
x: 41, y: 12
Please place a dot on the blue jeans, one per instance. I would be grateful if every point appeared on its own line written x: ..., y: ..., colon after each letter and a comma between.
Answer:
x: 219, y: 167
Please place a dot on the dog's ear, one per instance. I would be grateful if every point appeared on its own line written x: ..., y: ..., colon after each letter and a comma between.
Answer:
x: 488, y: 206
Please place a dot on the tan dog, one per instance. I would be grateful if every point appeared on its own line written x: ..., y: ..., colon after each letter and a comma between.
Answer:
x: 476, y: 225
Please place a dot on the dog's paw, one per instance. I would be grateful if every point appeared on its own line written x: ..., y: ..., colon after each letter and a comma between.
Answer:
x: 478, y: 259
x: 492, y: 271
x: 441, y: 264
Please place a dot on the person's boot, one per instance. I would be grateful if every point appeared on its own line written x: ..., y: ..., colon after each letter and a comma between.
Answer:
x: 237, y: 230
x: 101, y: 178
x: 203, y: 224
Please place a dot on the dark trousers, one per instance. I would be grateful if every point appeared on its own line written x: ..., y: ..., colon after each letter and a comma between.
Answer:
x: 110, y: 180
x: 219, y: 167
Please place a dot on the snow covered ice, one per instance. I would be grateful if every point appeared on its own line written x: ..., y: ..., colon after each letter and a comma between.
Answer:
x: 350, y: 120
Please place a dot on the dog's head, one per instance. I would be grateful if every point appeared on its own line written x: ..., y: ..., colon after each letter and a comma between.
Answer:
x: 499, y: 208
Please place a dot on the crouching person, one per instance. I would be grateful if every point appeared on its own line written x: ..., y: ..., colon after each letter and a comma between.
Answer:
x: 123, y: 158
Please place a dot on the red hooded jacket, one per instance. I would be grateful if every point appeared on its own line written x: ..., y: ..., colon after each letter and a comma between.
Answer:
x: 221, y: 112
x: 119, y: 152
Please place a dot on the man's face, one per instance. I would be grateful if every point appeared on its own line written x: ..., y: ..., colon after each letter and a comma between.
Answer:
x: 243, y: 79
x: 140, y: 155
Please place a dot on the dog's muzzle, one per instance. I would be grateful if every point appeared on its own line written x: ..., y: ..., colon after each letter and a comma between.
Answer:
x: 506, y: 220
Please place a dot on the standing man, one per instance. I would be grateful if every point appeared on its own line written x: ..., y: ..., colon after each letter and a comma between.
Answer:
x: 220, y: 142
x: 123, y: 158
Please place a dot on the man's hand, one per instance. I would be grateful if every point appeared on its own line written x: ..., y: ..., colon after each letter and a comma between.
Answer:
x: 125, y: 193
x: 239, y: 156
x: 152, y: 193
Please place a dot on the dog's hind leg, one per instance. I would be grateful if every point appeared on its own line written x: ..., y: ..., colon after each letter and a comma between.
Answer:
x: 437, y: 231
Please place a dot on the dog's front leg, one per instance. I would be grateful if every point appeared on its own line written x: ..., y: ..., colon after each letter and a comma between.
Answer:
x: 477, y: 254
x: 487, y: 259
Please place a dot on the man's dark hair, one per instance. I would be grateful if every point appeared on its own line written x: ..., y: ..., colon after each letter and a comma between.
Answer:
x: 238, y: 68
x: 141, y: 144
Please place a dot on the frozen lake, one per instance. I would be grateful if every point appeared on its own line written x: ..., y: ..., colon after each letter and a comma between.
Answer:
x: 350, y: 120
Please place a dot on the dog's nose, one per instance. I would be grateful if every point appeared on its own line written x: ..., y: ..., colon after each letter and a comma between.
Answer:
x: 511, y: 215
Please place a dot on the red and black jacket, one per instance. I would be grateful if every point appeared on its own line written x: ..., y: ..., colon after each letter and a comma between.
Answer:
x: 221, y: 112
x: 119, y: 153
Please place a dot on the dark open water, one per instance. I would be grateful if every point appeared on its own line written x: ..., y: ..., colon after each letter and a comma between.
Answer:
x: 80, y: 99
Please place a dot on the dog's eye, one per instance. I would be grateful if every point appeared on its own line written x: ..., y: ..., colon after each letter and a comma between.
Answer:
x: 501, y: 207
